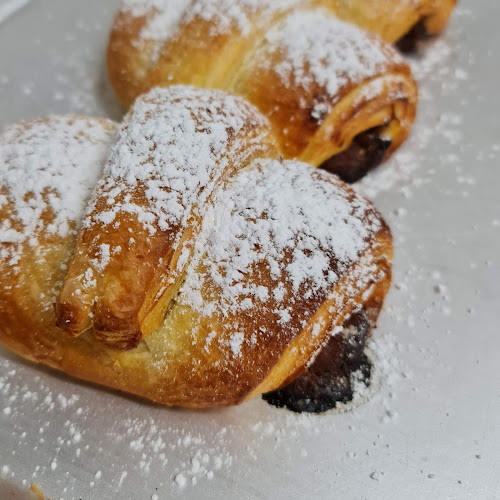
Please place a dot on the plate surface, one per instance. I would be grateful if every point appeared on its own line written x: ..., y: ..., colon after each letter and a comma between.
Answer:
x: 430, y: 427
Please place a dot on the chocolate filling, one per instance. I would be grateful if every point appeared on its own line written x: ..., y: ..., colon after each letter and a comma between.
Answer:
x: 408, y: 44
x: 328, y: 380
x: 365, y: 152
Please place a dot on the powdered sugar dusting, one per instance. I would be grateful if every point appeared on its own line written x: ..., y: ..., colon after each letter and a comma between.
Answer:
x: 166, y: 16
x: 228, y: 13
x: 173, y: 148
x: 435, y: 400
x: 48, y: 168
x: 294, y: 220
x: 163, y: 16
x: 321, y: 50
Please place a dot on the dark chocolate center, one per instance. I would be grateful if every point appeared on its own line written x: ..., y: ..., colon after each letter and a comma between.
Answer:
x: 329, y: 380
x: 365, y: 152
x: 408, y: 44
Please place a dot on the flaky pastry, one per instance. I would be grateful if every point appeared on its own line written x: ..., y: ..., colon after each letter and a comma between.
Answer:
x: 284, y: 257
x: 174, y: 149
x: 335, y: 95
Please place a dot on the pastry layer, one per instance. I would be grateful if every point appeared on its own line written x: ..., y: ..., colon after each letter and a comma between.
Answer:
x: 175, y: 147
x: 285, y: 254
x: 320, y: 81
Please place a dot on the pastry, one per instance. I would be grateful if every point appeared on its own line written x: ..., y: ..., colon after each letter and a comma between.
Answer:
x: 285, y: 256
x: 336, y: 96
x: 174, y: 148
x: 403, y: 22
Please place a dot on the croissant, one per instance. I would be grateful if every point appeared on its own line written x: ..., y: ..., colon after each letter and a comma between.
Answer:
x: 285, y: 257
x: 175, y: 147
x: 336, y: 96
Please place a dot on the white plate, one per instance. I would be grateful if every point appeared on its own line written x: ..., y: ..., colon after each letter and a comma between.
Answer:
x: 432, y: 428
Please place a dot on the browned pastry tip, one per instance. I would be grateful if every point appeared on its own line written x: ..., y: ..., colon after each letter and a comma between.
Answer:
x: 436, y: 17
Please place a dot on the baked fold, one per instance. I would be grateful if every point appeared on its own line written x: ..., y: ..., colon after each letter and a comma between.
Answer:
x: 285, y: 255
x: 326, y: 86
x: 394, y: 20
x: 322, y: 83
x: 175, y: 147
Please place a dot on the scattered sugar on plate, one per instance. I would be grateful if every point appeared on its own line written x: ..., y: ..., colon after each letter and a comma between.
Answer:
x: 180, y: 480
x: 35, y: 389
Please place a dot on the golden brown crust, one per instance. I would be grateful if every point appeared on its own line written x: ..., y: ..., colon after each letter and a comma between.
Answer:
x: 199, y: 53
x: 128, y: 59
x: 387, y: 102
x: 193, y: 378
x: 392, y: 19
x: 299, y: 353
x: 299, y: 87
x: 438, y: 14
x: 178, y: 374
x: 205, y: 352
x: 132, y: 252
